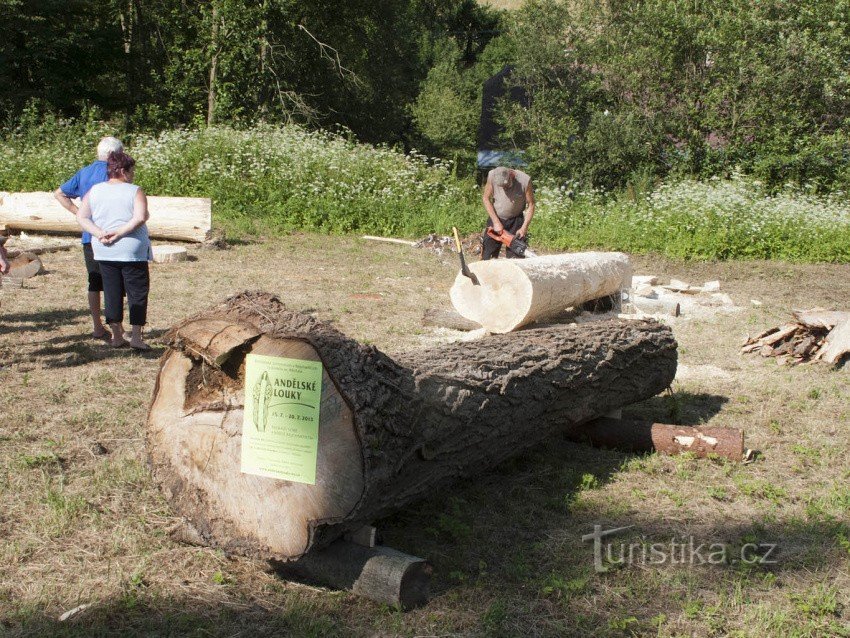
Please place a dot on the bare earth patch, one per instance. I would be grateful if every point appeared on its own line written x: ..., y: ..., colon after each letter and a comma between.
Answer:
x: 81, y: 522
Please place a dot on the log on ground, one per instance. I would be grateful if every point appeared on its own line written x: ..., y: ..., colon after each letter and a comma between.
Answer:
x: 181, y: 218
x: 645, y: 436
x: 516, y: 292
x: 391, y: 430
x: 381, y: 573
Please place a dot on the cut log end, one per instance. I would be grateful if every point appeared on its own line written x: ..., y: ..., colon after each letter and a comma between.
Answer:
x: 169, y: 254
x: 194, y: 436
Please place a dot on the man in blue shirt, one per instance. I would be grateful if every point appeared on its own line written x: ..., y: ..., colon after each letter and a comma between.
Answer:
x: 76, y: 188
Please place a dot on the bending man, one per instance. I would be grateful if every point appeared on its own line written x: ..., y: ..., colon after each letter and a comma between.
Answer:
x: 77, y: 187
x: 509, y: 200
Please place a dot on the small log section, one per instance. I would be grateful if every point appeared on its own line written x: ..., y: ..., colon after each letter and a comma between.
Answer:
x: 180, y: 218
x: 391, y: 431
x: 516, y: 292
x: 169, y: 254
x: 380, y: 573
x: 645, y: 436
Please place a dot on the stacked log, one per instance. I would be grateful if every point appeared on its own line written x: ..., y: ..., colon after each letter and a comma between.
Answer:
x: 181, y: 218
x: 391, y: 430
x: 814, y: 335
x: 512, y: 293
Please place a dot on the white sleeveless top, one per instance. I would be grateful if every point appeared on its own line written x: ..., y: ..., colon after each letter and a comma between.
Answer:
x: 112, y: 207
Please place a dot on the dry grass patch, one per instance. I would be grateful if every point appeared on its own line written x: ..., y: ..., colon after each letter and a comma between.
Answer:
x: 81, y: 522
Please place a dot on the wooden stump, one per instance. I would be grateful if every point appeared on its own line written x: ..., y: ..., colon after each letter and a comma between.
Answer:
x: 515, y: 292
x: 169, y: 254
x: 25, y: 265
x: 391, y: 430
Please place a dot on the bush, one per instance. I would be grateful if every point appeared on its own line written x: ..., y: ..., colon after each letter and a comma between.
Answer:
x: 716, y: 219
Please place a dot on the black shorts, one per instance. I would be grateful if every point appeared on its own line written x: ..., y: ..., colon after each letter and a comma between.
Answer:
x: 95, y: 280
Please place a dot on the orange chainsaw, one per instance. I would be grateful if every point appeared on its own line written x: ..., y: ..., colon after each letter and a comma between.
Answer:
x: 512, y: 242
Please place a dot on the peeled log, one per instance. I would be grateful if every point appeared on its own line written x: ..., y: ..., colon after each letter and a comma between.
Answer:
x: 181, y: 218
x: 391, y: 430
x: 516, y: 292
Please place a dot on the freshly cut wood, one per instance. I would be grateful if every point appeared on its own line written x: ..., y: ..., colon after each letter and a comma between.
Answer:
x: 169, y: 254
x: 817, y: 318
x: 445, y: 318
x: 516, y: 292
x: 181, y: 218
x: 391, y: 430
x: 837, y: 343
x: 811, y: 337
x: 784, y: 332
x: 380, y: 573
x: 390, y: 240
x: 657, y: 306
x: 645, y: 436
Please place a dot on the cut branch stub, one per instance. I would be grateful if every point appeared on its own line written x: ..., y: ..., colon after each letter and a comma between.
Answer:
x: 391, y: 430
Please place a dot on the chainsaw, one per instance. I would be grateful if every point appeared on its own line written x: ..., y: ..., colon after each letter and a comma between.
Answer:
x: 512, y: 242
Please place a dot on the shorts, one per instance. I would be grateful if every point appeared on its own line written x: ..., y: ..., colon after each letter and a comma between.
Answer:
x: 95, y: 280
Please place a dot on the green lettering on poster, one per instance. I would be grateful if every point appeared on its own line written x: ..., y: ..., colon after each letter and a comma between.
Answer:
x: 280, y: 430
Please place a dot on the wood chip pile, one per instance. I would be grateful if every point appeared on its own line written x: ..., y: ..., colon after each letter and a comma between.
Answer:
x: 440, y: 243
x: 814, y: 335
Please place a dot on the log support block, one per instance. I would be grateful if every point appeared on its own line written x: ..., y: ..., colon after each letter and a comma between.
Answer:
x: 379, y: 573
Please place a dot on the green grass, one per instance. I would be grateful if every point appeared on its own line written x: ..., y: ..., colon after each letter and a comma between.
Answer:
x: 270, y: 181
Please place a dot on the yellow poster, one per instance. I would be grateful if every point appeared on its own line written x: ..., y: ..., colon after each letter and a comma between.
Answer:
x: 280, y: 430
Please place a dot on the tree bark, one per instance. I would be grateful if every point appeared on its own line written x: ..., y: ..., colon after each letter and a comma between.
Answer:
x: 391, y: 430
x: 516, y: 292
x: 214, y: 51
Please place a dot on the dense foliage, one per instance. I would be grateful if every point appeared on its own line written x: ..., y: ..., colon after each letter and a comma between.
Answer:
x: 631, y: 91
x: 162, y: 63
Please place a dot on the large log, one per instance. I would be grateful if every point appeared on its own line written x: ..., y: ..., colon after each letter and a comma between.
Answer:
x: 181, y: 218
x: 515, y: 292
x: 391, y: 430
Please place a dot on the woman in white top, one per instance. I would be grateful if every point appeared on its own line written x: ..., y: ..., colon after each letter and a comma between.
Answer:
x: 115, y: 212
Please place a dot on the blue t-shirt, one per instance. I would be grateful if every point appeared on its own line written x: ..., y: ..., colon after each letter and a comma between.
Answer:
x: 81, y: 183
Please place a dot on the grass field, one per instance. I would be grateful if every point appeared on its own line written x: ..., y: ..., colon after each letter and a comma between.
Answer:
x: 82, y: 523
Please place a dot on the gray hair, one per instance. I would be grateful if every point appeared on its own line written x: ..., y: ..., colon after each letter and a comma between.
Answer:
x: 108, y: 145
x: 502, y: 177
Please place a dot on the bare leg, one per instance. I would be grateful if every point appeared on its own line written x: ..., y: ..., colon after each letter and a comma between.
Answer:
x: 118, y: 339
x: 136, y: 339
x: 98, y: 329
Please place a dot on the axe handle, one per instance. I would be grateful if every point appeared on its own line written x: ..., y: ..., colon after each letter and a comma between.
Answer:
x: 457, y: 239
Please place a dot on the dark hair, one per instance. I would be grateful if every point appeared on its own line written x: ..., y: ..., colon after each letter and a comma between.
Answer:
x: 118, y: 163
